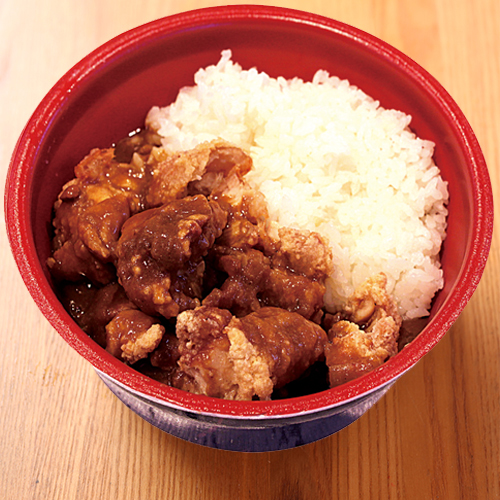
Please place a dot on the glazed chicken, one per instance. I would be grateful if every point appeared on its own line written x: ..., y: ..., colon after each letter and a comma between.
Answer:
x: 205, y: 169
x: 109, y: 186
x: 89, y: 214
x: 93, y: 308
x: 131, y: 335
x: 253, y: 282
x: 160, y: 254
x: 286, y: 270
x: 366, y: 336
x: 113, y: 321
x: 243, y: 358
x: 112, y: 184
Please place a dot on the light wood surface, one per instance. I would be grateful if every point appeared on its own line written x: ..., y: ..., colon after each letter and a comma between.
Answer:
x: 435, y: 435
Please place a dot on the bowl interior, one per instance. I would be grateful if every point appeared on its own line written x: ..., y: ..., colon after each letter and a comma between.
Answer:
x: 108, y: 94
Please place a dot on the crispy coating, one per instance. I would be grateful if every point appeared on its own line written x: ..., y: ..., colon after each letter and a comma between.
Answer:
x: 306, y: 252
x: 204, y: 353
x: 131, y: 335
x: 368, y: 334
x: 243, y: 358
x: 200, y: 170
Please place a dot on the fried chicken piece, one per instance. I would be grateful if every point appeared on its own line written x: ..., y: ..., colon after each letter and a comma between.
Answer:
x: 238, y: 198
x: 89, y: 214
x: 246, y: 273
x: 242, y: 358
x: 293, y: 292
x: 197, y: 171
x: 306, y: 252
x: 241, y: 234
x: 215, y: 169
x: 289, y: 342
x: 369, y: 299
x: 113, y: 184
x: 166, y: 354
x: 265, y: 266
x: 160, y: 254
x: 367, y: 337
x: 254, y: 281
x: 131, y: 335
x: 93, y: 308
x: 162, y: 365
x: 203, y: 349
x: 113, y: 321
x: 222, y: 161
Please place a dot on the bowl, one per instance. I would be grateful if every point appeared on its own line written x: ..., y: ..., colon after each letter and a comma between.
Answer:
x: 107, y: 95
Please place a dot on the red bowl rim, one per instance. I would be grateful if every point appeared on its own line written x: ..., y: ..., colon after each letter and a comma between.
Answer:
x: 22, y: 244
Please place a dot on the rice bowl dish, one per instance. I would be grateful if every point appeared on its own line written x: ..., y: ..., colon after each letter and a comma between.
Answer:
x: 259, y: 235
x: 146, y: 67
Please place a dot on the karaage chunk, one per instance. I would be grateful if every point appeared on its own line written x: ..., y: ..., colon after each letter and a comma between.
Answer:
x: 160, y: 254
x: 305, y: 252
x: 289, y: 342
x: 131, y: 335
x: 89, y: 214
x: 200, y: 170
x: 246, y: 273
x: 248, y: 357
x: 367, y: 337
x: 293, y: 292
x: 203, y: 349
x: 258, y: 277
x: 93, y: 308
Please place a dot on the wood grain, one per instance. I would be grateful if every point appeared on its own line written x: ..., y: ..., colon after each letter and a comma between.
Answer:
x: 435, y: 435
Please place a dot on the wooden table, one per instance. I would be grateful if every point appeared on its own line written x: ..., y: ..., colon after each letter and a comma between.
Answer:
x: 435, y: 435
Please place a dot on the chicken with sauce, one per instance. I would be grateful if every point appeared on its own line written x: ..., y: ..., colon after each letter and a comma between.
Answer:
x: 112, y: 184
x: 160, y: 254
x: 367, y: 336
x: 176, y: 269
x: 286, y: 270
x: 242, y: 358
x: 89, y: 214
x: 132, y: 335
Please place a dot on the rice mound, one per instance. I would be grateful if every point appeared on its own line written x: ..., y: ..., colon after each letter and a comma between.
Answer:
x: 330, y: 159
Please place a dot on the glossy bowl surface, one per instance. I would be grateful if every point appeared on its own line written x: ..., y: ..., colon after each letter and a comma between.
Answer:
x: 107, y: 95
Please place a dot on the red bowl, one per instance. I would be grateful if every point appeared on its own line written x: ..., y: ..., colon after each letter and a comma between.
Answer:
x: 107, y: 95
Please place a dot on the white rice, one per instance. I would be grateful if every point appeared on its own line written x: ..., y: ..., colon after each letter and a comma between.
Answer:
x: 330, y: 159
